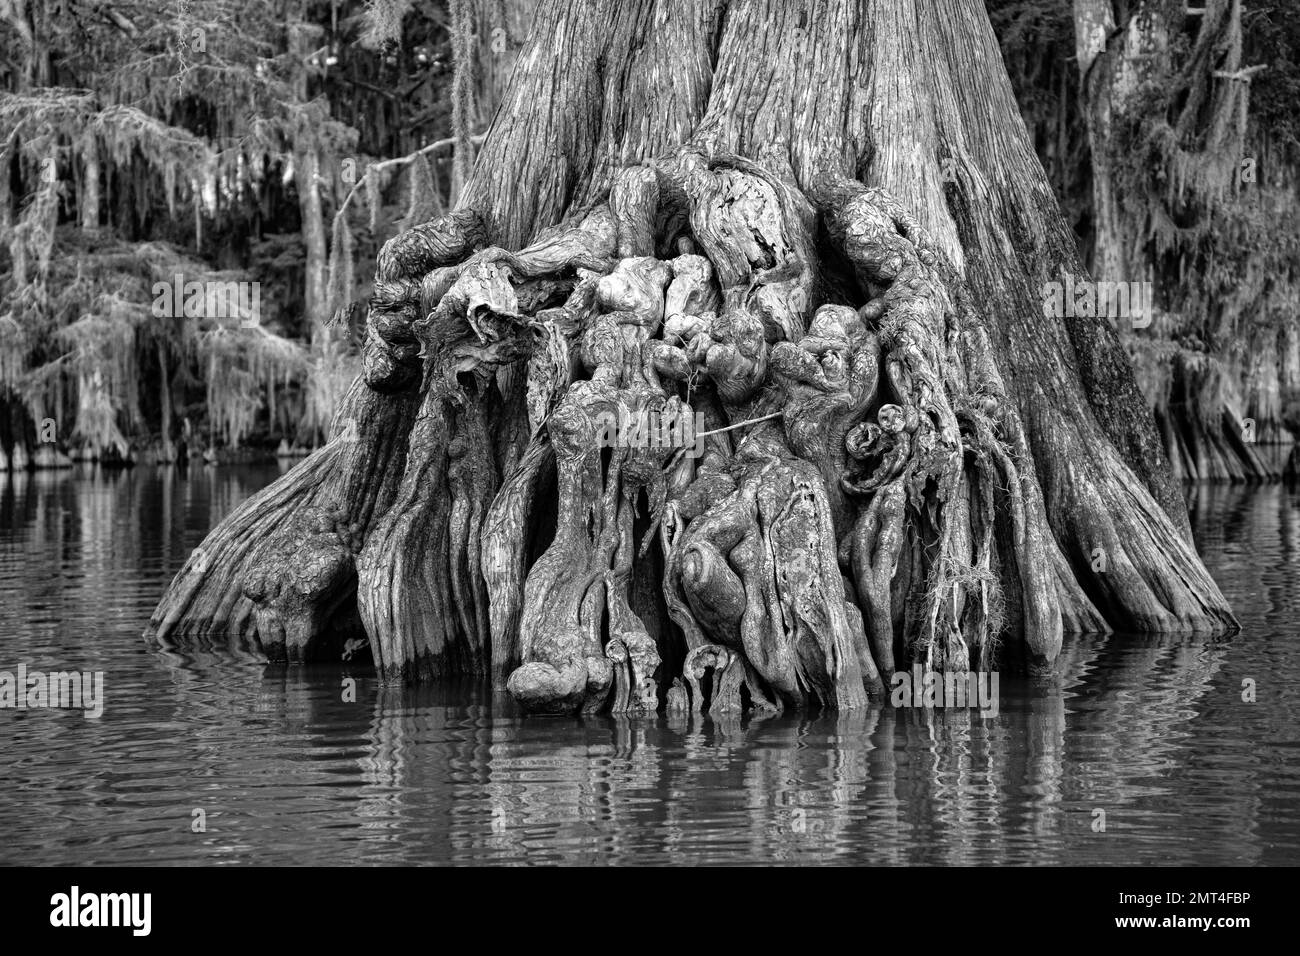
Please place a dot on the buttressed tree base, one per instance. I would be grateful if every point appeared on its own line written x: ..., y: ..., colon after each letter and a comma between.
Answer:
x: 814, y: 235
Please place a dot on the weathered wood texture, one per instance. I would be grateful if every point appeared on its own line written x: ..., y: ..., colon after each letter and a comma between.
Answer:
x: 733, y: 363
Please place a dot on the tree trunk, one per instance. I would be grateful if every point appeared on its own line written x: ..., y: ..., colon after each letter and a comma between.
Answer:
x: 167, y: 426
x: 90, y: 187
x: 315, y: 296
x: 727, y: 395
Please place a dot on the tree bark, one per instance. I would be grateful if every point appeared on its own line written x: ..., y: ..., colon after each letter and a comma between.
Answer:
x: 712, y: 313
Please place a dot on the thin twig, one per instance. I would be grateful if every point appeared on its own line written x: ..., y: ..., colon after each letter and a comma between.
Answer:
x: 677, y: 456
x: 400, y: 161
x: 1242, y: 74
x: 752, y: 421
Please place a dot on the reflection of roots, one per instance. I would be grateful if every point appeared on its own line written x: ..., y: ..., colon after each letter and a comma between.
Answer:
x: 862, y: 497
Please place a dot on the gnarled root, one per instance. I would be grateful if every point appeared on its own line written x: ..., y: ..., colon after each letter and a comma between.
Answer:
x: 826, y: 465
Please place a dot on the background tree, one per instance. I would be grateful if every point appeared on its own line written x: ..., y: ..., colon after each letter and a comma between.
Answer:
x: 218, y: 142
x: 1170, y: 133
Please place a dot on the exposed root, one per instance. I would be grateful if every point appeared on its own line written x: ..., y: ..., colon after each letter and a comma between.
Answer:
x: 823, y: 471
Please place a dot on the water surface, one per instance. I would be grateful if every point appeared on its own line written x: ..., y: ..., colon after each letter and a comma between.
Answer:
x: 1153, y: 732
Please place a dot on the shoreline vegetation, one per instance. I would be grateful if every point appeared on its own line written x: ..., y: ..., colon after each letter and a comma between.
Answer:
x: 263, y: 147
